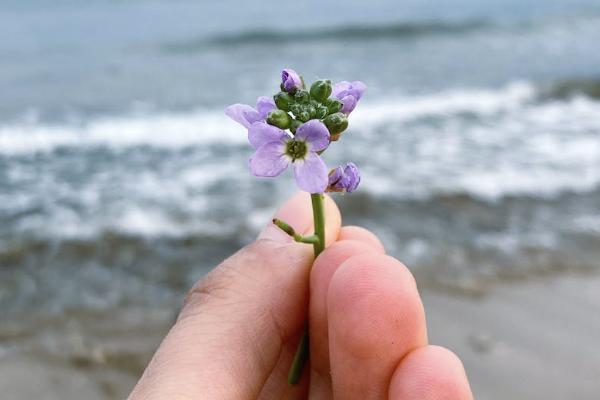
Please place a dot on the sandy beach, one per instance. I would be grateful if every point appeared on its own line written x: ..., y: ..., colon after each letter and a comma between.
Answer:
x: 529, y: 341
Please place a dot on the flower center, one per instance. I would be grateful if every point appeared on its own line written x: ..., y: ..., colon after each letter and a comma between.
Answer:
x: 296, y: 149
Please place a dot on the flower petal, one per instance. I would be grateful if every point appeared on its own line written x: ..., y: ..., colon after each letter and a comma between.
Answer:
x: 352, y: 175
x: 260, y: 133
x: 269, y: 160
x: 264, y: 105
x: 315, y: 133
x: 335, y: 175
x: 340, y: 87
x: 240, y: 113
x: 290, y: 79
x: 311, y: 173
x: 349, y: 103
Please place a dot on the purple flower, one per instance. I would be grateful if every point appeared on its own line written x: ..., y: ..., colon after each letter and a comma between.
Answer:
x: 276, y: 149
x: 246, y: 115
x: 290, y: 80
x: 349, y: 93
x: 344, y: 179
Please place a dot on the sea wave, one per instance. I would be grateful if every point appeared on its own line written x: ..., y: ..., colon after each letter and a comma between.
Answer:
x: 357, y: 32
x: 342, y: 32
x: 589, y: 87
x: 204, y: 126
x: 483, y: 142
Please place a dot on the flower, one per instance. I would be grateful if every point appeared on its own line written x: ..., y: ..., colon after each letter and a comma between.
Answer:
x: 246, y: 115
x: 290, y: 80
x: 276, y: 150
x: 344, y: 179
x: 349, y: 93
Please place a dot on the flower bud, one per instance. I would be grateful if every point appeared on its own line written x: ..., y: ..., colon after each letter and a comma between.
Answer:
x: 344, y: 178
x: 283, y: 101
x: 333, y: 105
x: 321, y: 112
x: 321, y: 90
x: 295, y: 108
x: 304, y: 116
x: 279, y: 118
x: 294, y: 125
x: 302, y: 96
x: 336, y: 123
x: 290, y: 81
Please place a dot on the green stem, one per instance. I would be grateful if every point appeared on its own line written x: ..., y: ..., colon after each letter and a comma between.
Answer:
x: 303, y: 348
x: 319, y: 219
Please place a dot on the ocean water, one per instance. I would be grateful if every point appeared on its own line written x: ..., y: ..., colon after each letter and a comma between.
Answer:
x: 122, y: 182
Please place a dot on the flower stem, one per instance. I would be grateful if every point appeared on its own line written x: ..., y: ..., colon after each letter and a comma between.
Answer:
x: 319, y: 245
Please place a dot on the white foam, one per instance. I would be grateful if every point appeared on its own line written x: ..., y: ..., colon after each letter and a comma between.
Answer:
x: 169, y: 130
x: 476, y: 101
x: 204, y: 126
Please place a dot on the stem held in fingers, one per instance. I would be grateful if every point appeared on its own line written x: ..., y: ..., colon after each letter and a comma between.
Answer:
x: 303, y: 350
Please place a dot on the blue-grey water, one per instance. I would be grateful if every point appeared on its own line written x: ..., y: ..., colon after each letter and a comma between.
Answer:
x: 121, y: 181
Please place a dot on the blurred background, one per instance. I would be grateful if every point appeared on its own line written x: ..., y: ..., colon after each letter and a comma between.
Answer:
x: 122, y: 182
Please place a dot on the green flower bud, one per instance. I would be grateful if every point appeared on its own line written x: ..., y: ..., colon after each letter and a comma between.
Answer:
x: 311, y: 110
x: 321, y: 112
x: 295, y: 108
x: 283, y: 101
x: 321, y: 90
x: 279, y: 118
x: 304, y: 116
x: 333, y: 105
x: 302, y: 96
x: 295, y: 124
x: 336, y: 123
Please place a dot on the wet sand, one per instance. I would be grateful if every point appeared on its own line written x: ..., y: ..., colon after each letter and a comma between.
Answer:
x: 532, y: 340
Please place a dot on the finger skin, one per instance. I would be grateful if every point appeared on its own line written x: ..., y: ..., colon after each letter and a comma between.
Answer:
x: 277, y: 386
x: 361, y: 235
x: 375, y: 318
x: 322, y: 271
x: 430, y: 373
x: 233, y: 327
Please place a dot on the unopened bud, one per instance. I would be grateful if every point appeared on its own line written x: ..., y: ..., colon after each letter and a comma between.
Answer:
x: 302, y: 96
x: 320, y: 90
x: 333, y: 105
x: 295, y: 108
x: 279, y: 118
x: 294, y: 125
x: 304, y: 116
x: 283, y: 101
x: 336, y: 123
x: 321, y: 112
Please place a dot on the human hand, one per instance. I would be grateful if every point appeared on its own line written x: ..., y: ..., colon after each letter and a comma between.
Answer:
x: 240, y: 325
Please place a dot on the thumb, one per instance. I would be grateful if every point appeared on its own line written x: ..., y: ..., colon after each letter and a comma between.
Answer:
x: 233, y: 325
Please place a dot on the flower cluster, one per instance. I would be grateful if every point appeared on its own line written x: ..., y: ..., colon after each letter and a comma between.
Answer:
x: 295, y: 126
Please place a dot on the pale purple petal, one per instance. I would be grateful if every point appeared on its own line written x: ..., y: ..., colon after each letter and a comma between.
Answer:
x: 242, y: 114
x: 348, y: 104
x: 344, y: 178
x: 315, y: 133
x: 269, y: 160
x: 260, y: 133
x: 352, y: 177
x: 349, y: 93
x: 264, y: 105
x: 358, y: 88
x: 290, y: 79
x: 311, y: 174
x: 340, y: 87
x: 335, y: 176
